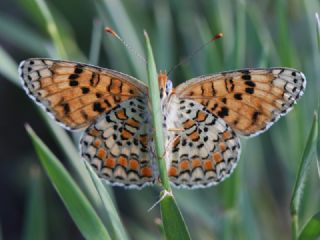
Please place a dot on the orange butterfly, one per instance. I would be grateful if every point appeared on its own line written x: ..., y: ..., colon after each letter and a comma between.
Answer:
x: 207, y: 113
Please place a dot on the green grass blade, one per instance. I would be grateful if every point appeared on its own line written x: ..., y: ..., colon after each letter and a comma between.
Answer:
x: 22, y: 36
x: 95, y: 42
x: 240, y: 46
x: 156, y: 114
x: 73, y: 157
x: 302, y: 174
x: 35, y: 224
x: 173, y: 222
x: 119, y: 231
x: 164, y: 41
x: 8, y: 67
x: 52, y: 28
x: 318, y: 29
x: 286, y: 51
x: 312, y: 228
x: 75, y: 201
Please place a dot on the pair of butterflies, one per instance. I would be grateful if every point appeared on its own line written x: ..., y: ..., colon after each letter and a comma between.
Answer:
x: 203, y: 117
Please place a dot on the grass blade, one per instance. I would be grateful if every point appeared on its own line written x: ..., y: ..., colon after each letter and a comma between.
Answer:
x: 156, y: 114
x: 318, y: 29
x: 75, y: 201
x: 35, y: 221
x: 95, y: 42
x: 312, y: 228
x: 22, y: 36
x: 52, y: 28
x: 119, y: 231
x: 302, y: 174
x: 73, y: 157
x: 8, y: 67
x: 173, y: 223
x: 240, y: 46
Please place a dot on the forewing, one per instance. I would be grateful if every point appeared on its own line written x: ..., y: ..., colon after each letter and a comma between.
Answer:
x: 202, y: 149
x: 248, y: 100
x: 75, y: 94
x: 119, y: 145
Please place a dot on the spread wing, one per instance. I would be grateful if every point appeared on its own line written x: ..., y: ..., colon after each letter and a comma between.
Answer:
x: 75, y: 94
x: 119, y: 145
x: 249, y: 100
x: 202, y: 149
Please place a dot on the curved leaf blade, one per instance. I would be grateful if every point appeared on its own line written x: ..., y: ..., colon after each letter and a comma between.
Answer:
x: 312, y: 228
x: 78, y: 205
x: 302, y: 174
x: 173, y: 222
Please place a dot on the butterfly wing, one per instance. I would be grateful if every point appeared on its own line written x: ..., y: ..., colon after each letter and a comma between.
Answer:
x: 119, y: 145
x: 202, y: 149
x: 75, y: 94
x: 248, y: 100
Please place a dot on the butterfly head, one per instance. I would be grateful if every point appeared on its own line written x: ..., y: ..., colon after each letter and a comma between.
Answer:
x: 165, y: 85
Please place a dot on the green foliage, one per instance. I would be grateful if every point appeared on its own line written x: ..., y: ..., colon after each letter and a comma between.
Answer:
x: 35, y: 222
x: 173, y: 223
x: 312, y: 228
x: 75, y: 201
x: 304, y: 170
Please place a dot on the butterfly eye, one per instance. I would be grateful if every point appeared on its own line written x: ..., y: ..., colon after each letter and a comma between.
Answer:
x: 168, y: 86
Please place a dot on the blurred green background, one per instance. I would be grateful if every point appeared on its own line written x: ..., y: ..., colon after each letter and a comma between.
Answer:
x: 254, y: 202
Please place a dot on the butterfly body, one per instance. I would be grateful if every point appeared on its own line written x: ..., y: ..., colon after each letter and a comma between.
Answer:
x: 203, y: 117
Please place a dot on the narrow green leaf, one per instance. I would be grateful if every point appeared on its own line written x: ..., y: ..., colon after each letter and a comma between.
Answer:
x: 35, y: 224
x: 119, y: 231
x: 52, y: 28
x: 22, y: 36
x: 164, y: 33
x: 240, y: 46
x: 318, y: 29
x: 286, y: 51
x: 8, y: 67
x: 318, y: 143
x: 156, y: 113
x: 73, y: 157
x: 75, y: 201
x: 173, y: 222
x: 302, y: 174
x: 95, y: 42
x: 311, y: 229
x: 263, y: 33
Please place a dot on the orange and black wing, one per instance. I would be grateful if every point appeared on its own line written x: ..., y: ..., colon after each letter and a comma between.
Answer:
x: 74, y: 93
x: 249, y: 100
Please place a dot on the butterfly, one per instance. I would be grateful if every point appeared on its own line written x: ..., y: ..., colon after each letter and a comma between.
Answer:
x: 202, y: 117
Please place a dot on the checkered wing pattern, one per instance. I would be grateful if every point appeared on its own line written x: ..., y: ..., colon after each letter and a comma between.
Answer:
x: 249, y: 100
x: 202, y: 149
x: 119, y: 145
x: 76, y: 94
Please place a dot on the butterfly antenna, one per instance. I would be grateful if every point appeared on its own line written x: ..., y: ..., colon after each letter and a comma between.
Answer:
x: 184, y: 60
x: 113, y: 33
